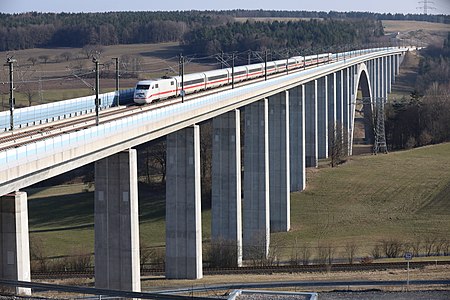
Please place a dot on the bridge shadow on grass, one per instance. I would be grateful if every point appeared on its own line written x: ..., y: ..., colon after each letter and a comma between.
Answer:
x: 62, y: 212
x: 152, y: 202
x: 76, y: 211
x: 63, y: 228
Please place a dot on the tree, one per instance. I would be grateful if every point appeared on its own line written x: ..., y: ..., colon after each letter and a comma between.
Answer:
x: 155, y: 160
x: 31, y: 91
x: 44, y: 58
x: 350, y: 250
x: 33, y: 60
x: 67, y: 55
x: 337, y: 145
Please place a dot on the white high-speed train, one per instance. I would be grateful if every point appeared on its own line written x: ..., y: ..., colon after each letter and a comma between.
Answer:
x: 147, y: 91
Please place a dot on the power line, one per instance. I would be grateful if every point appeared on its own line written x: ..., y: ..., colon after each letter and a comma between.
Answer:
x: 426, y: 6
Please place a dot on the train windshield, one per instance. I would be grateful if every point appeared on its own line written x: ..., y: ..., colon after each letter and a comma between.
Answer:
x: 143, y: 87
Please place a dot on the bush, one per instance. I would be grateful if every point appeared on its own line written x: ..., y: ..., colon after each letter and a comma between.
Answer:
x: 79, y: 261
x: 410, y: 143
x: 37, y: 255
x: 376, y: 251
x: 152, y: 256
x: 223, y: 254
x: 392, y: 248
x: 350, y: 249
x: 306, y: 255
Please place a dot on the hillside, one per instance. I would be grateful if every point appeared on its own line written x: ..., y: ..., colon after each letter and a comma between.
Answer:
x: 402, y: 195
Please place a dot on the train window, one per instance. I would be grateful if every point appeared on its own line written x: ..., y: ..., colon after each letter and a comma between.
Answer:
x: 292, y: 62
x: 218, y: 77
x: 240, y: 73
x: 254, y: 70
x: 143, y: 87
x: 172, y: 83
x: 270, y: 67
x: 190, y: 82
x: 156, y: 86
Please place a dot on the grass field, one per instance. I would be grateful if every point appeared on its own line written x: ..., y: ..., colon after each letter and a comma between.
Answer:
x: 391, y: 26
x: 417, y: 32
x: 402, y: 195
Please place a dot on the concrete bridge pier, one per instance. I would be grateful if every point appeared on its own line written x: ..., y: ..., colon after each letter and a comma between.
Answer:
x: 389, y: 74
x: 402, y: 57
x: 14, y: 241
x: 383, y: 77
x: 279, y: 168
x: 372, y: 76
x: 311, y: 133
x: 117, y: 223
x: 370, y: 71
x: 340, y: 101
x: 226, y: 223
x: 378, y: 78
x: 297, y: 138
x: 394, y: 68
x: 256, y: 209
x: 352, y: 106
x: 322, y: 117
x: 331, y: 88
x: 397, y: 64
x: 346, y: 109
x: 183, y: 205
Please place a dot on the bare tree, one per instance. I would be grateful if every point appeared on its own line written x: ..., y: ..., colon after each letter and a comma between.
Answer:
x: 295, y: 253
x: 67, y: 55
x: 33, y: 60
x: 350, y: 249
x: 27, y: 84
x: 31, y: 91
x: 416, y: 246
x: 87, y: 51
x: 223, y: 253
x: 157, y: 156
x: 392, y: 247
x: 376, y: 251
x: 37, y: 254
x: 338, y: 145
x: 44, y: 58
x: 306, y: 255
x: 429, y: 245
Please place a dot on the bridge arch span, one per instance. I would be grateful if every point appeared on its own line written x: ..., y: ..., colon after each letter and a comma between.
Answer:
x: 362, y: 109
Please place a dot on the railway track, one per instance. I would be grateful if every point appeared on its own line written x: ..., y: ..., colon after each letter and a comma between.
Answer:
x: 260, y: 270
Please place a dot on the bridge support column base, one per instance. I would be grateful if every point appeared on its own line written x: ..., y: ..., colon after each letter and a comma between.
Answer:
x: 14, y: 241
x: 311, y: 127
x: 183, y: 205
x: 117, y: 223
x: 256, y: 210
x: 297, y: 139
x: 279, y: 168
x: 226, y: 211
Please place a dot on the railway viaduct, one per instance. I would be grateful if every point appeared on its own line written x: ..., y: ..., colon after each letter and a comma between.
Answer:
x: 288, y: 120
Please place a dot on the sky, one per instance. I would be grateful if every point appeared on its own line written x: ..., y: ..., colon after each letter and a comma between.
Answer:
x: 383, y: 6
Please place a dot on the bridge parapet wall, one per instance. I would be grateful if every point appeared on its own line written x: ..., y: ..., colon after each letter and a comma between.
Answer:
x: 40, y: 114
